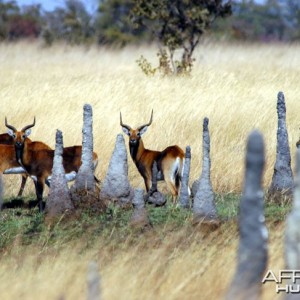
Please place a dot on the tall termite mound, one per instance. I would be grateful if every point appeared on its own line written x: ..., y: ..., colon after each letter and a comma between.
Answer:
x: 282, y: 181
x: 252, y: 253
x: 59, y: 200
x: 204, y: 207
x: 85, y: 192
x: 116, y: 186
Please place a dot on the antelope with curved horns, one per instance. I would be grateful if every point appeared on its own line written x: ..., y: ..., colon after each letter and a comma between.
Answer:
x: 9, y: 164
x: 8, y: 160
x: 169, y: 161
x: 38, y: 163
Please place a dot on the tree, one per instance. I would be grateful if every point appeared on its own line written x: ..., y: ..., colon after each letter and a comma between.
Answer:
x: 26, y: 24
x: 77, y: 22
x: 8, y: 10
x: 54, y: 28
x: 273, y: 20
x: 113, y: 23
x: 178, y: 25
x: 72, y: 24
x: 291, y: 15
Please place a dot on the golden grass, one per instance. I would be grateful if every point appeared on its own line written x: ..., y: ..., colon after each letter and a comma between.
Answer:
x: 183, y: 265
x: 235, y: 86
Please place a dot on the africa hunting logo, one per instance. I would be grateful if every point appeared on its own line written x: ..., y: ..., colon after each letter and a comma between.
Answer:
x: 287, y: 281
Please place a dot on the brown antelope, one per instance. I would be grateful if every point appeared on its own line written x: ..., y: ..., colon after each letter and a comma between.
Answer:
x: 169, y: 161
x: 9, y: 164
x: 38, y: 163
x: 6, y: 139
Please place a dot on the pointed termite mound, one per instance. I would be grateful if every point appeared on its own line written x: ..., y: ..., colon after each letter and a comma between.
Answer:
x: 154, y: 196
x: 116, y: 186
x: 93, y: 282
x: 252, y: 253
x: 59, y: 199
x: 292, y: 234
x: 84, y: 192
x: 282, y: 181
x: 184, y: 198
x: 204, y: 207
x: 205, y: 156
x: 139, y: 218
x: 85, y: 177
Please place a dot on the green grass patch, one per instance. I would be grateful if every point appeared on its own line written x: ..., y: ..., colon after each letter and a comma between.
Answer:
x: 28, y: 226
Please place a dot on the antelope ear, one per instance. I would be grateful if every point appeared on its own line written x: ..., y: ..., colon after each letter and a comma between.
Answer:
x: 11, y: 133
x: 143, y: 130
x: 27, y: 132
x: 126, y: 131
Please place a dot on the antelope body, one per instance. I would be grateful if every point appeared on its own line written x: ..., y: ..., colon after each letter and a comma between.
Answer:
x: 8, y: 158
x: 8, y: 161
x: 169, y: 161
x: 38, y: 163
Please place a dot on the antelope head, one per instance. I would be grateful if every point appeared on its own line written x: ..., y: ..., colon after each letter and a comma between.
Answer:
x: 19, y: 136
x: 135, y: 134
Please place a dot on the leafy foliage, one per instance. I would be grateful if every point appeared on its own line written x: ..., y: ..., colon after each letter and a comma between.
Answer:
x: 113, y: 25
x: 71, y: 24
x: 177, y: 25
x: 164, y: 66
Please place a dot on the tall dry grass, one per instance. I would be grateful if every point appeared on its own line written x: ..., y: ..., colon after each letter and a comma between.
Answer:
x: 186, y: 264
x: 234, y: 85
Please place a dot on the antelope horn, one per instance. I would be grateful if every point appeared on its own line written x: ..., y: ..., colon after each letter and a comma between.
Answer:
x: 121, y: 123
x: 10, y: 126
x: 148, y: 124
x: 29, y: 126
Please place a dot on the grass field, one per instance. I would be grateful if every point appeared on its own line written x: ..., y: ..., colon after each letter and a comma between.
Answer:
x: 235, y: 86
x: 171, y: 260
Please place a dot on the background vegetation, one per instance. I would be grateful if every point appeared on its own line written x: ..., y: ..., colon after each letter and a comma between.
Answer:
x: 111, y: 23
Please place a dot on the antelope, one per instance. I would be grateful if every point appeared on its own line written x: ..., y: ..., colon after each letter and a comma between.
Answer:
x: 9, y: 164
x: 38, y: 163
x: 169, y: 161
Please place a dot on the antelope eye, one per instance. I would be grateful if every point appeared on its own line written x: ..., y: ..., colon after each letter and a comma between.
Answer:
x: 23, y: 136
x: 138, y: 134
x: 14, y: 135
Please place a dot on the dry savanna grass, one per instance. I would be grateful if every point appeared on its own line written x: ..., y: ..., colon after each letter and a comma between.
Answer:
x: 186, y: 264
x: 235, y: 86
